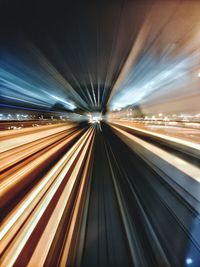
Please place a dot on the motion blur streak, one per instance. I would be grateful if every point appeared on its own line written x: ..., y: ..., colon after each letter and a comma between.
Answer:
x: 100, y: 133
x: 20, y: 225
x: 163, y: 62
x: 54, y: 201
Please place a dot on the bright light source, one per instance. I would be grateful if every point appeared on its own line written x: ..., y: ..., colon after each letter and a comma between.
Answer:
x: 198, y: 74
x: 94, y: 120
x: 189, y: 261
x: 95, y: 117
x: 166, y: 118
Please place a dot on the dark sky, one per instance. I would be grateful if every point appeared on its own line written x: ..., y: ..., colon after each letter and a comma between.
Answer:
x: 86, y: 41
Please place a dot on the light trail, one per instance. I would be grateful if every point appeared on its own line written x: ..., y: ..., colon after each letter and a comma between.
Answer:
x: 19, y: 224
x: 44, y: 182
x: 25, y: 136
x: 178, y: 140
x: 63, y: 203
x: 53, y: 201
x: 173, y: 160
x: 100, y: 134
x: 12, y: 181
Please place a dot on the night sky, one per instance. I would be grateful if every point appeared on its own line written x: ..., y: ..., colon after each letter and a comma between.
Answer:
x: 87, y: 42
x: 71, y: 54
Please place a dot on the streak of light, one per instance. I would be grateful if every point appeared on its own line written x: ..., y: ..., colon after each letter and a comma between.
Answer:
x: 19, y: 225
x: 162, y: 65
x: 176, y: 140
x: 18, y: 141
x: 21, y: 152
x: 92, y: 87
x: 32, y: 88
x: 178, y: 163
x: 136, y: 48
x: 43, y: 183
x: 59, y: 210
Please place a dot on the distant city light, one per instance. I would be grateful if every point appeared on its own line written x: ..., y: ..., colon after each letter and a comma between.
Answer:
x: 166, y: 118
